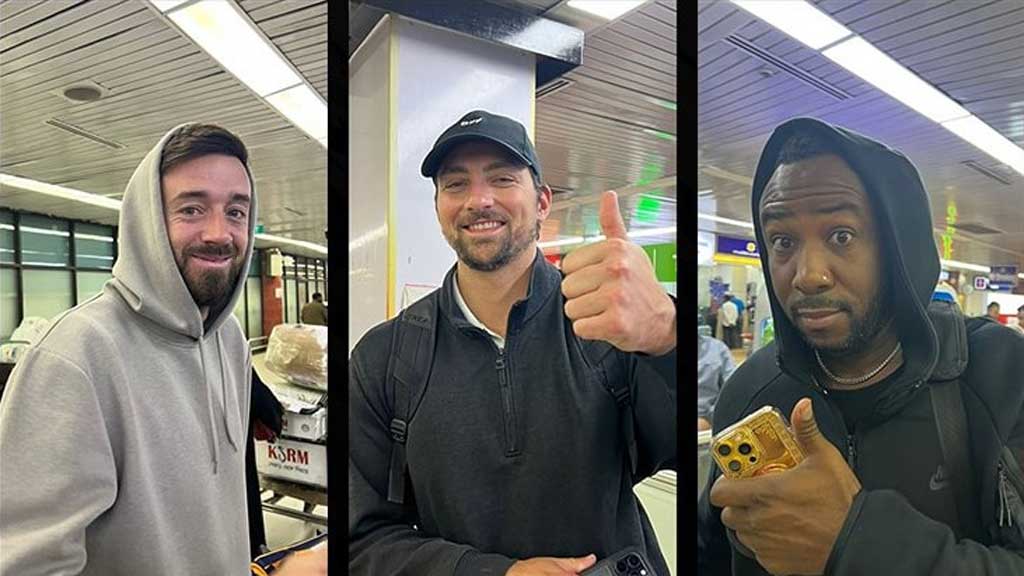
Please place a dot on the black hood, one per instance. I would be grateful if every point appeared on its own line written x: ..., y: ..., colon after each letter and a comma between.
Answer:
x: 903, y: 217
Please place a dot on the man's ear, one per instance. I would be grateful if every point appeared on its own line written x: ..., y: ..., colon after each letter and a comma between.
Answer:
x: 544, y: 202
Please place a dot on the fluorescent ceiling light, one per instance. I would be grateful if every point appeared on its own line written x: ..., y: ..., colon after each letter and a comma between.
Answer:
x: 221, y: 30
x: 166, y: 5
x: 59, y: 191
x: 986, y: 139
x: 607, y: 9
x: 877, y: 68
x: 304, y: 108
x: 646, y: 232
x: 965, y: 266
x: 299, y: 243
x: 800, y: 20
x: 94, y: 237
x: 563, y: 242
x: 722, y: 220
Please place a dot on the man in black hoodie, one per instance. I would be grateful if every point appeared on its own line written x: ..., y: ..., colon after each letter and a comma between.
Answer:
x: 868, y: 368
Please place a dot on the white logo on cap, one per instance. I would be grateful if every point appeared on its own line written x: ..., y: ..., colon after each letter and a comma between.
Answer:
x: 471, y: 121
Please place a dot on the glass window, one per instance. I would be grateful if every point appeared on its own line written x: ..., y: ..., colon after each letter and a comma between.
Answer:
x: 254, y: 287
x: 239, y: 313
x: 47, y: 292
x: 44, y: 241
x: 8, y: 302
x: 6, y: 237
x: 303, y: 294
x: 94, y: 246
x: 290, y: 290
x: 256, y: 267
x: 91, y: 284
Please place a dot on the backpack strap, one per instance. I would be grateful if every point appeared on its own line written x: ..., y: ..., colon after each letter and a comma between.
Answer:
x: 409, y: 365
x: 951, y: 421
x: 602, y: 359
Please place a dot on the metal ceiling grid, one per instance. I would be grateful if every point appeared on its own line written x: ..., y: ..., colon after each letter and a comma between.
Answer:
x: 602, y: 131
x: 962, y: 48
x: 155, y: 78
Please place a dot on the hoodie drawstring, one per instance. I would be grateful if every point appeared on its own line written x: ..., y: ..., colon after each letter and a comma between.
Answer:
x: 211, y: 403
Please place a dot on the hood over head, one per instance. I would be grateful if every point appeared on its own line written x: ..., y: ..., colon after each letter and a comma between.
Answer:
x: 903, y: 218
x: 147, y: 278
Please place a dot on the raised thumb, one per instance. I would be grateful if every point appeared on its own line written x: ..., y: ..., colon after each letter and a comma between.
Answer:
x: 805, y: 427
x: 610, y: 217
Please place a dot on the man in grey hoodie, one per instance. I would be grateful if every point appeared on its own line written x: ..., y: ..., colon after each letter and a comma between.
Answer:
x: 121, y: 430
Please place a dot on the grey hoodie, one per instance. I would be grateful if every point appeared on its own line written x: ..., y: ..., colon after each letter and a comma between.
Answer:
x: 122, y: 430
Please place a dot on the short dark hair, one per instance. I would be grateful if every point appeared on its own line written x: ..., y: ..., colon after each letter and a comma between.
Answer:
x: 317, y: 296
x: 993, y: 304
x: 195, y: 140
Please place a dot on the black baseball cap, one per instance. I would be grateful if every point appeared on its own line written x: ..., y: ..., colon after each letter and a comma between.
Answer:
x: 481, y: 125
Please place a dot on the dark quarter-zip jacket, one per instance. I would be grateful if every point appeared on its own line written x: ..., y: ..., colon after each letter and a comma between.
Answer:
x: 512, y: 453
x: 905, y: 521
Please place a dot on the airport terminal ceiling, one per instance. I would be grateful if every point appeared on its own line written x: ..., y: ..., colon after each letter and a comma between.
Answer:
x: 153, y: 78
x: 609, y: 123
x: 748, y: 82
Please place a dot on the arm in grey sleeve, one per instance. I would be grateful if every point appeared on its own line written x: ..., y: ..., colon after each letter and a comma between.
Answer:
x: 59, y: 472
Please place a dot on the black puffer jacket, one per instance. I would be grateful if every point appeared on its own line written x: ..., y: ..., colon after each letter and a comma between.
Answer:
x: 905, y: 520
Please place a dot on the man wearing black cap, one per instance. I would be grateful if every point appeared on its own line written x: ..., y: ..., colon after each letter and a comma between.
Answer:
x: 908, y: 414
x: 515, y: 449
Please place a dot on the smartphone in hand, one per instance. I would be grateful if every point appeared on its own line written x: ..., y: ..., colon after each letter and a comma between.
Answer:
x: 758, y: 444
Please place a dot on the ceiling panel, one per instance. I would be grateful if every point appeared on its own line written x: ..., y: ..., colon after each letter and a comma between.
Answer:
x: 969, y: 50
x: 155, y: 79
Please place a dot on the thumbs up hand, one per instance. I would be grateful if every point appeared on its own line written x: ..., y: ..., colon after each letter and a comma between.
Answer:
x: 790, y: 520
x: 612, y: 294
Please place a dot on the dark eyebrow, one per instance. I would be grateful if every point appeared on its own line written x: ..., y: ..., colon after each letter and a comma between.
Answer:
x: 501, y: 165
x: 236, y: 198
x: 771, y: 213
x: 445, y: 170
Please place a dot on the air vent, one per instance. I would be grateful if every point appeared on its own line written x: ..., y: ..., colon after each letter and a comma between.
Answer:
x: 765, y: 56
x: 556, y: 85
x: 976, y: 228
x: 985, y: 171
x: 556, y: 190
x: 84, y: 133
x: 294, y: 211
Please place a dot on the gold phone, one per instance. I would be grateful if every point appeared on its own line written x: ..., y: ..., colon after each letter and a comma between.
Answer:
x: 756, y: 445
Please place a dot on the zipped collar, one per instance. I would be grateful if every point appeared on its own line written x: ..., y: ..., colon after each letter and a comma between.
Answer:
x: 545, y: 281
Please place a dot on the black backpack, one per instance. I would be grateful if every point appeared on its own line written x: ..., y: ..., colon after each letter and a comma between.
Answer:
x: 409, y: 366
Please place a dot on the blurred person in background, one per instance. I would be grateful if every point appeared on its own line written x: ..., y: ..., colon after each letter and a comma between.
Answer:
x: 714, y: 366
x: 314, y: 312
x: 993, y: 311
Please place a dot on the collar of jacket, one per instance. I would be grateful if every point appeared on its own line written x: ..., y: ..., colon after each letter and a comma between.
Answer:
x: 545, y: 281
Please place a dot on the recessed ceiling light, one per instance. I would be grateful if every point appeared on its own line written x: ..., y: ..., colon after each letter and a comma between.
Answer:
x: 607, y: 9
x: 722, y: 220
x: 877, y: 68
x: 798, y: 19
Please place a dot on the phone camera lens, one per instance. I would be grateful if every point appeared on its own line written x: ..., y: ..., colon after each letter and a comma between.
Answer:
x: 745, y: 448
x: 724, y: 450
x: 621, y: 566
x: 735, y: 465
x: 633, y: 560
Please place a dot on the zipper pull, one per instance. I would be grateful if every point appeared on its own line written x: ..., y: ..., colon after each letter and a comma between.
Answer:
x: 851, y: 451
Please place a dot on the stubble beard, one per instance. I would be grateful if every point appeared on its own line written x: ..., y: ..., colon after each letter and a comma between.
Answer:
x: 512, y: 243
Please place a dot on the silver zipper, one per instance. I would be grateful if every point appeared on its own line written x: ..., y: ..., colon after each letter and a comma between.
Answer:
x: 1004, y: 499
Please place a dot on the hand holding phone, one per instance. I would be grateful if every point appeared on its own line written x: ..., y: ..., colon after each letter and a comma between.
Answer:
x: 627, y: 562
